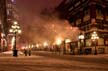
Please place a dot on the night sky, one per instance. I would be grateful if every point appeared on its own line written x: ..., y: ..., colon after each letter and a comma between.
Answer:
x: 36, y: 5
x: 27, y: 9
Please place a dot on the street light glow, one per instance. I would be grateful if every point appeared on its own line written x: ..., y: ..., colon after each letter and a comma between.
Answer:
x: 2, y: 35
x: 58, y: 41
x: 37, y: 45
x: 45, y: 44
x: 15, y: 28
x: 81, y: 37
x: 15, y: 22
x: 67, y: 40
x: 18, y: 31
x: 10, y: 30
x: 94, y: 36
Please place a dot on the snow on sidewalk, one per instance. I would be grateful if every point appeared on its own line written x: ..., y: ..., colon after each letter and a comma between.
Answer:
x: 85, y: 56
x: 10, y: 53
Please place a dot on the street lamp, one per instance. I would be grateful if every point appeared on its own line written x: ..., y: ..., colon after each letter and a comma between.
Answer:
x: 95, y: 37
x: 15, y: 28
x: 81, y: 38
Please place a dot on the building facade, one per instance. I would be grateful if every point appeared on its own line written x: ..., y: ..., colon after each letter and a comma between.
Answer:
x: 8, y: 14
x: 3, y: 24
x: 89, y: 16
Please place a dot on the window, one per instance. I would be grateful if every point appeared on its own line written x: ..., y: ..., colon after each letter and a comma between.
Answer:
x: 98, y: 10
x: 70, y: 8
x: 67, y: 1
x: 9, y: 5
x: 86, y: 12
x: 0, y: 21
x: 78, y: 15
x: 106, y: 42
x: 83, y: 0
x: 100, y: 24
x: 107, y: 11
x: 100, y: 41
x: 101, y: 50
x: 77, y: 4
x: 8, y: 12
x: 78, y: 21
x: 88, y: 42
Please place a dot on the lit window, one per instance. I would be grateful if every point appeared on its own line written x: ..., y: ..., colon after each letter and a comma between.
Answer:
x: 8, y: 12
x: 0, y: 21
x: 9, y: 5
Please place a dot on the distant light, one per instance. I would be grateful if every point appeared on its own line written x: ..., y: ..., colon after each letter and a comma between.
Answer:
x: 19, y: 31
x: 37, y: 45
x: 71, y: 28
x: 58, y: 41
x: 32, y: 46
x: 45, y: 44
x: 15, y: 22
x: 2, y: 35
x: 94, y: 36
x: 23, y: 47
x: 12, y: 0
x: 67, y: 40
x: 11, y: 30
x: 81, y: 37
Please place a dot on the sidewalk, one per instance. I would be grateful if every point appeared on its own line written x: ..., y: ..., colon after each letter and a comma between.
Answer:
x: 48, y: 53
x: 10, y: 54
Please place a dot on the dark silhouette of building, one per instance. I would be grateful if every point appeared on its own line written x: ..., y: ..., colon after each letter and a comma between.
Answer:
x: 3, y: 23
x: 88, y: 16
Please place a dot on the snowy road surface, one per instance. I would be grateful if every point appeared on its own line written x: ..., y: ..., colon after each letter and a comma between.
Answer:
x: 54, y: 63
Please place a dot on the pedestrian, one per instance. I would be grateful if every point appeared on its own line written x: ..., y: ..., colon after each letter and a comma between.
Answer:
x: 29, y: 52
x: 25, y: 52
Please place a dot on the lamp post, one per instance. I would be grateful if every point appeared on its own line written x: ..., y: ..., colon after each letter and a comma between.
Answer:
x: 81, y: 38
x: 94, y: 37
x: 15, y: 28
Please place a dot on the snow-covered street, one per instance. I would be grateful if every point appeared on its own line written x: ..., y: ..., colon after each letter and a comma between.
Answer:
x: 52, y: 62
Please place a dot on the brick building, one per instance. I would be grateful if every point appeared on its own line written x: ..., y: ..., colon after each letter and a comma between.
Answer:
x: 89, y: 16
